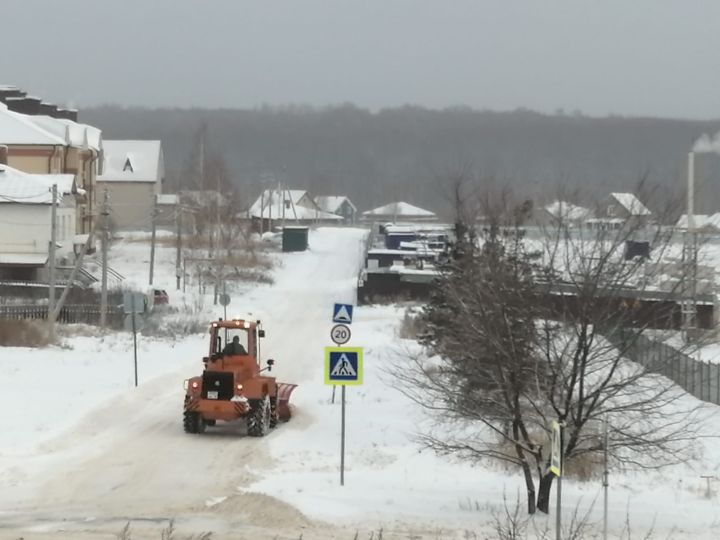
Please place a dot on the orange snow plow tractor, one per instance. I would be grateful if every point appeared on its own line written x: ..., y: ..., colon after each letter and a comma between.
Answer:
x: 233, y: 385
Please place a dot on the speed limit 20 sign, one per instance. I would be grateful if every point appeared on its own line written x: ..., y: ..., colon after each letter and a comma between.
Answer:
x: 340, y: 334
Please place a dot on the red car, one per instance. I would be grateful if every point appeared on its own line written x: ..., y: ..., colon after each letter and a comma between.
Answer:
x: 160, y: 297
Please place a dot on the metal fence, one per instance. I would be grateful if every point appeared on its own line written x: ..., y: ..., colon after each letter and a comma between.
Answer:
x: 69, y: 314
x: 699, y: 378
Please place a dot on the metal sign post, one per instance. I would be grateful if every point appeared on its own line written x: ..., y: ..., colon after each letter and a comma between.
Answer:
x: 134, y: 331
x: 343, y: 367
x: 342, y: 438
x: 134, y: 303
x: 556, y: 466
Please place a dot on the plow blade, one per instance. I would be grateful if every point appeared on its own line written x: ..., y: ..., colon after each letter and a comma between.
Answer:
x: 283, y: 400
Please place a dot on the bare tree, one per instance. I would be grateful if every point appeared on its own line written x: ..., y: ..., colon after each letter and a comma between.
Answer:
x: 530, y: 325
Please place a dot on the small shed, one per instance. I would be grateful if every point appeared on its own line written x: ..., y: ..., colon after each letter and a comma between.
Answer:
x: 294, y: 239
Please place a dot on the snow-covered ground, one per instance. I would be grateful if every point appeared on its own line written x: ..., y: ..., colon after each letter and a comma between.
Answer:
x: 82, y: 451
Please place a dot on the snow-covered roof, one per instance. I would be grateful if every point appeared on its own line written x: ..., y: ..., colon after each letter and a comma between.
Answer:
x: 631, y: 203
x: 74, y: 134
x: 296, y: 212
x: 399, y: 209
x: 132, y: 161
x: 19, y: 129
x: 26, y: 259
x: 566, y: 210
x: 270, y: 205
x: 167, y: 199
x: 332, y: 203
x: 702, y: 221
x: 20, y: 187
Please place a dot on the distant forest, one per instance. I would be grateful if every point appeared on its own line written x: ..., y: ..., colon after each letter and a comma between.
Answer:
x: 408, y: 153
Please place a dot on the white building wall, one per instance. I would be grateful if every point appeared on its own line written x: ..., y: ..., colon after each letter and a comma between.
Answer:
x: 24, y: 228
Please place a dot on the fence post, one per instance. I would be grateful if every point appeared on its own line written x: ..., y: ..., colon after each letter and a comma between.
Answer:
x: 707, y: 376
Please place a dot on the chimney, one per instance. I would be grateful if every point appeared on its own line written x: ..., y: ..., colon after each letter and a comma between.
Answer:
x: 10, y: 92
x: 3, y: 154
x: 24, y: 105
x: 48, y: 109
x: 68, y: 114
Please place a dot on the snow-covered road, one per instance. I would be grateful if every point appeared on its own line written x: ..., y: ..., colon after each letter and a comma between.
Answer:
x: 82, y: 452
x: 128, y: 458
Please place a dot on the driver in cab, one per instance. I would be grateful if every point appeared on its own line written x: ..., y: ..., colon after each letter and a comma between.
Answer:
x: 234, y: 347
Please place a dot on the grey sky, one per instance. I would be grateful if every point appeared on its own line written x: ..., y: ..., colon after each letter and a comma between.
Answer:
x: 632, y: 57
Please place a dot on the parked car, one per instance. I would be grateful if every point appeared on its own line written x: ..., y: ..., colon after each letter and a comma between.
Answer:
x: 160, y: 297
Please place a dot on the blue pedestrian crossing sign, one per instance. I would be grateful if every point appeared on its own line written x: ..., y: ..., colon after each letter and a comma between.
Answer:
x: 343, y: 365
x: 342, y: 313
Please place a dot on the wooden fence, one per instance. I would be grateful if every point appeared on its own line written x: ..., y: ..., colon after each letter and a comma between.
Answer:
x: 69, y: 314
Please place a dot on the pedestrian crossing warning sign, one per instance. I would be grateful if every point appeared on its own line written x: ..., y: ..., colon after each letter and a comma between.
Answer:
x: 343, y: 365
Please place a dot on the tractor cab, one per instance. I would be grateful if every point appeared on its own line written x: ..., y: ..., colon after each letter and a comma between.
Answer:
x: 236, y: 343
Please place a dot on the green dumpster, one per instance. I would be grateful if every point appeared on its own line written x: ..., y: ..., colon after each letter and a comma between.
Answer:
x: 294, y: 238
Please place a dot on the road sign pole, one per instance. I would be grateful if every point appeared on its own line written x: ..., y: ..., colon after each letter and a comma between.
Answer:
x: 224, y: 303
x: 134, y: 330
x: 342, y: 439
x: 558, y: 510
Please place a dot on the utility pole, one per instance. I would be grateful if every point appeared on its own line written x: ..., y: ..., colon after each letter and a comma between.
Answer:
x: 51, y: 261
x: 178, y: 242
x: 689, y: 267
x: 105, y: 241
x: 152, y: 240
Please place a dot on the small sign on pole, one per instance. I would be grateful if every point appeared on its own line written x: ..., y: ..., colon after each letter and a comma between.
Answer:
x: 340, y: 334
x: 556, y: 450
x: 342, y: 313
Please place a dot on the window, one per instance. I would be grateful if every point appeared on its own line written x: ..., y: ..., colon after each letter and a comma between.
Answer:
x: 611, y: 210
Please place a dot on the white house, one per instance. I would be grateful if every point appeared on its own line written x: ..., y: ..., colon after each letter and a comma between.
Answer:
x: 25, y: 221
x: 563, y: 213
x: 133, y: 175
x: 289, y: 206
x: 399, y: 211
x: 339, y: 205
x: 620, y: 210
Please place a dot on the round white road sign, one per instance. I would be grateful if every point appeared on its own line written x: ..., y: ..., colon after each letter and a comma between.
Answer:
x: 340, y: 334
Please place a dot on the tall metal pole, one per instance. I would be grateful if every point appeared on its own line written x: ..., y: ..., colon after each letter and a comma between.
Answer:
x: 606, y: 475
x: 152, y: 240
x: 688, y: 302
x: 178, y: 244
x: 558, y: 510
x: 51, y: 260
x: 342, y: 439
x: 103, y: 293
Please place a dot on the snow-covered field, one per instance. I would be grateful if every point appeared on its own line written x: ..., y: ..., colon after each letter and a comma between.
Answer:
x: 82, y: 451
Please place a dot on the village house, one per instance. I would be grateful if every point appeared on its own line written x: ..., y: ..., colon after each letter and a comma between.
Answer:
x: 26, y: 222
x: 398, y: 212
x: 619, y: 210
x: 339, y: 205
x: 133, y: 176
x: 291, y: 206
x: 42, y: 139
x: 562, y: 213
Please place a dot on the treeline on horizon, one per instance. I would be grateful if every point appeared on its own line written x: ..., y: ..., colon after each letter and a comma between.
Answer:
x: 410, y: 153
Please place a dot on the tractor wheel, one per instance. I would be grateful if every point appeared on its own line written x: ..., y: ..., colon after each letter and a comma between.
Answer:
x: 258, y: 420
x: 192, y: 422
x: 273, y: 412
